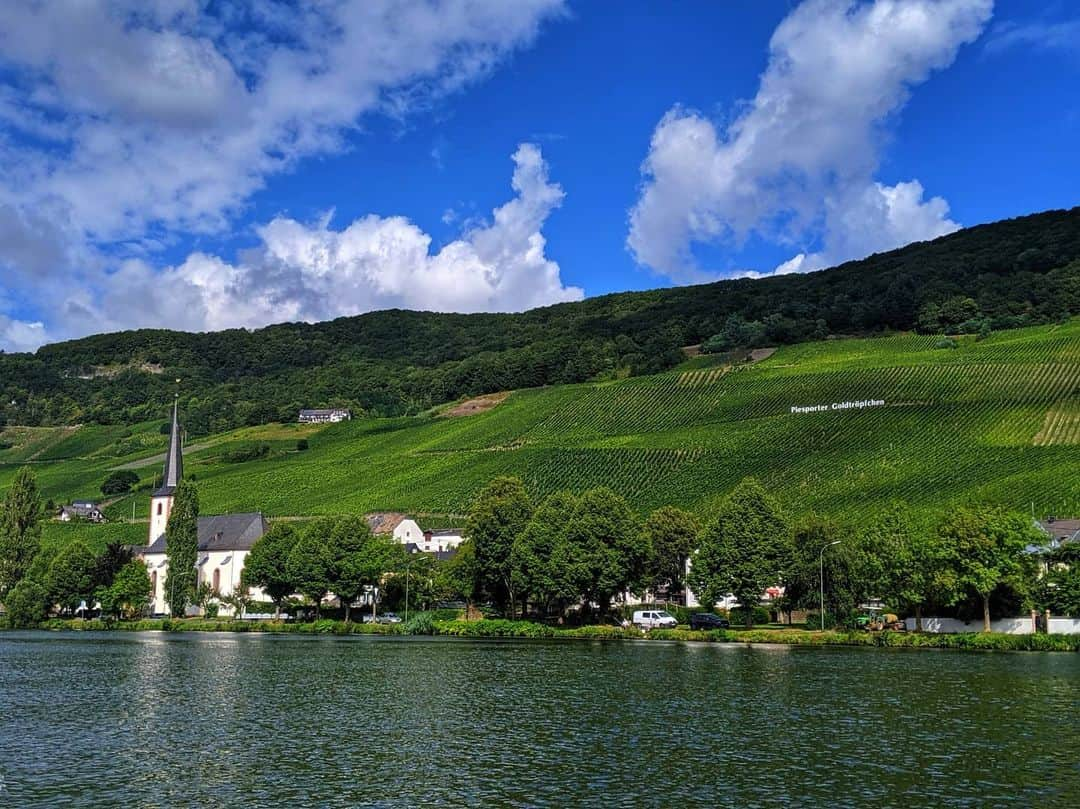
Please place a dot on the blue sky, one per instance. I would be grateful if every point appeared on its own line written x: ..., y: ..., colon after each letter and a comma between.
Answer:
x: 178, y: 165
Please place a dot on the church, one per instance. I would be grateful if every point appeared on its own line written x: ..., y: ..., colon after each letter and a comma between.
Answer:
x: 224, y: 540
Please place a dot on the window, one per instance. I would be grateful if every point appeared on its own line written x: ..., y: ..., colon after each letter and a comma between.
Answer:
x: 217, y: 578
x: 153, y: 583
x: 159, y: 507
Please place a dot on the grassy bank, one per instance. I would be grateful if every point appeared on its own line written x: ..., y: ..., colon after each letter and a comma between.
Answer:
x: 527, y: 629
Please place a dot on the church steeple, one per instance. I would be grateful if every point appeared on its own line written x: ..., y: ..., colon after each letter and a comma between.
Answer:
x: 174, y: 458
x: 161, y: 501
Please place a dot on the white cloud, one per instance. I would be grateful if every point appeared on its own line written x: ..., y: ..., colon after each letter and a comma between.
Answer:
x: 1061, y: 35
x: 799, y: 162
x: 314, y: 272
x: 127, y: 123
x: 20, y: 335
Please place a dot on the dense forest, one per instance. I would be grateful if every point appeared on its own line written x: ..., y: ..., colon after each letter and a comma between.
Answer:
x: 1011, y: 273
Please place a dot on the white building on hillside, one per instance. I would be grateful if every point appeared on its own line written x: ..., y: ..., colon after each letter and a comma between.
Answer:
x: 324, y: 416
x: 224, y: 540
x: 407, y: 531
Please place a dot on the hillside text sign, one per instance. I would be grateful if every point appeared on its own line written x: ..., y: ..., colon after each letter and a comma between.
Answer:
x: 854, y: 405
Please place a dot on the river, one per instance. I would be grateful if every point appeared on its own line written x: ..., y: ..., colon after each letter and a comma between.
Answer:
x: 169, y: 720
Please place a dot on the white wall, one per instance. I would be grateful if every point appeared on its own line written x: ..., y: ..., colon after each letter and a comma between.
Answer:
x: 408, y: 531
x: 229, y: 564
x: 1065, y: 626
x: 158, y: 521
x: 1008, y: 626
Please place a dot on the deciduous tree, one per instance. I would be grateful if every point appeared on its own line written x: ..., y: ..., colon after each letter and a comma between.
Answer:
x: 70, y: 579
x: 498, y: 516
x: 266, y: 566
x: 129, y: 594
x: 360, y: 559
x: 910, y: 563
x: 605, y: 543
x: 670, y: 534
x: 311, y: 563
x: 743, y: 551
x: 535, y: 558
x: 986, y: 549
x: 26, y: 603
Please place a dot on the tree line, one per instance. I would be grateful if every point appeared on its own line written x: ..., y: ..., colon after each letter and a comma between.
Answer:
x: 587, y: 551
x: 1011, y: 273
x: 573, y: 554
x: 35, y: 580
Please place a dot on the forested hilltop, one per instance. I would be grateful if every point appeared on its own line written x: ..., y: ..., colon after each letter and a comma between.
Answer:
x: 1006, y: 274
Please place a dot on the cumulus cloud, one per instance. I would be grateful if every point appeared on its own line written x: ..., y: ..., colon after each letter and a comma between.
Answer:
x: 310, y: 271
x: 127, y: 123
x: 798, y: 164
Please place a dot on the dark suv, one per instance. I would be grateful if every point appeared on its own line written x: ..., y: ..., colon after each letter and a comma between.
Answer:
x: 708, y: 620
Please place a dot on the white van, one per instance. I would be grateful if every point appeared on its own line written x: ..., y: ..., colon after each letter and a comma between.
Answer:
x: 654, y: 619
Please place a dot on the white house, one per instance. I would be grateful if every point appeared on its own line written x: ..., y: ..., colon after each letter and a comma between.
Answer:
x: 407, y: 531
x: 224, y: 540
x: 403, y: 529
x: 441, y: 540
x: 81, y: 510
x: 324, y: 416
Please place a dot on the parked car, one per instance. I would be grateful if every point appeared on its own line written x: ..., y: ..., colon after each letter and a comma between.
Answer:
x: 389, y: 618
x: 654, y: 619
x: 368, y: 618
x: 708, y: 620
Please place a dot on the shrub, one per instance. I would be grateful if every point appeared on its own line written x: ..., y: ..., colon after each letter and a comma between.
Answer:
x: 244, y: 454
x: 119, y: 482
x: 946, y: 342
x: 301, y: 445
x: 758, y: 615
x: 422, y: 623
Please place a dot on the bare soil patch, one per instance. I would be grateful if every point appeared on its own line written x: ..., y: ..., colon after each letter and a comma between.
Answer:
x: 479, y: 404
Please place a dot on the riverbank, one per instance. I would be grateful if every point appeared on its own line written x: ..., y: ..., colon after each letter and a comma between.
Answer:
x: 496, y: 628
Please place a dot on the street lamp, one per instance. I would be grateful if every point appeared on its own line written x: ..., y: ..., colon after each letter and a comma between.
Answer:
x: 408, y: 564
x: 821, y: 574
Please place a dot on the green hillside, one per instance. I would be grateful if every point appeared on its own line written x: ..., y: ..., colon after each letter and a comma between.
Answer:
x: 1011, y: 274
x: 993, y: 420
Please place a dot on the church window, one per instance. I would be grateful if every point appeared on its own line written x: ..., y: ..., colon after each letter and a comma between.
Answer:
x: 153, y: 583
x: 159, y: 509
x: 217, y: 578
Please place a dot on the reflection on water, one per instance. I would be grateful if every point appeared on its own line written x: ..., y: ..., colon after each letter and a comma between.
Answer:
x: 219, y: 720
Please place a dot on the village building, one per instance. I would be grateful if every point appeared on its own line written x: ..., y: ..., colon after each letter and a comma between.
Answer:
x: 441, y: 540
x: 324, y: 416
x: 408, y: 532
x: 81, y: 510
x: 224, y: 540
x: 1059, y: 531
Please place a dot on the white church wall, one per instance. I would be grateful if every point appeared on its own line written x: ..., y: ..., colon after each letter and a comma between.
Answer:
x: 228, y: 564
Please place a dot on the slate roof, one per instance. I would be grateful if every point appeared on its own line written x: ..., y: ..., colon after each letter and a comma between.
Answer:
x: 223, y: 532
x: 174, y: 459
x: 442, y: 556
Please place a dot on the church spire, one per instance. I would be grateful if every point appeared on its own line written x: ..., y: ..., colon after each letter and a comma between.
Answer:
x: 174, y: 458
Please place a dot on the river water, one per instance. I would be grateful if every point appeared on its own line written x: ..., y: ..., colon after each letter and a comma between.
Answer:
x: 168, y: 720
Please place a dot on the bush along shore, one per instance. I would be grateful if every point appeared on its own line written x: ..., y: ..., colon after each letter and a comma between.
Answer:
x: 423, y: 624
